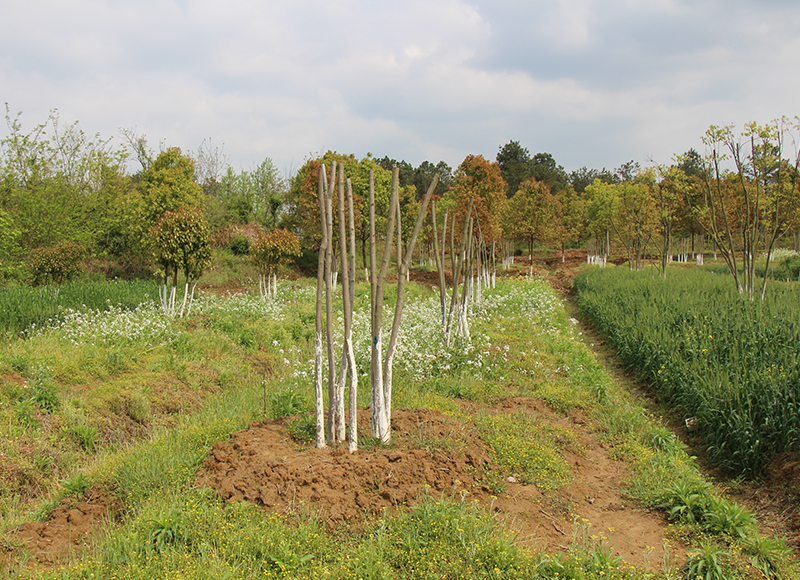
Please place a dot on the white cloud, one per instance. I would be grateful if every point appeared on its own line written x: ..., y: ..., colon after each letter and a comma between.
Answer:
x: 595, y: 83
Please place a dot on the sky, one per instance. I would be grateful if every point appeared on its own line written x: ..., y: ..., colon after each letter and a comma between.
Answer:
x: 593, y: 83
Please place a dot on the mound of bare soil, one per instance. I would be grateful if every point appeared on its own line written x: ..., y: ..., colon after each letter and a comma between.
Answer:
x: 434, y: 455
x: 262, y: 464
x: 71, y: 525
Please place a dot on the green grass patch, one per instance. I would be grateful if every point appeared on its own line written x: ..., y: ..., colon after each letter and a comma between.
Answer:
x: 528, y: 449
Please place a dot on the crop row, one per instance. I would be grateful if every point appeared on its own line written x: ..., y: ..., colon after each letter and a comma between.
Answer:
x: 728, y: 364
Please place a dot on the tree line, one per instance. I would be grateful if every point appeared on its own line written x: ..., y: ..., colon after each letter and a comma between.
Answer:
x: 67, y: 198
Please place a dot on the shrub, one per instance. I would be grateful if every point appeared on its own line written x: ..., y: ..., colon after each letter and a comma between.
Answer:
x: 240, y: 246
x: 57, y: 264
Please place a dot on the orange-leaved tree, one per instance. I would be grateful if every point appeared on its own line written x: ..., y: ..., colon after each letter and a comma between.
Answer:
x: 482, y: 181
x: 271, y: 250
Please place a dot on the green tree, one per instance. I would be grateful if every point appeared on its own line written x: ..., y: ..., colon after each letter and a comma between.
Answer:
x: 168, y: 185
x: 405, y: 168
x: 10, y: 249
x: 424, y: 175
x: 544, y: 168
x: 515, y: 165
x: 57, y: 264
x: 600, y: 201
x: 573, y: 222
x: 54, y: 182
x: 181, y: 239
x: 269, y: 192
x: 581, y: 178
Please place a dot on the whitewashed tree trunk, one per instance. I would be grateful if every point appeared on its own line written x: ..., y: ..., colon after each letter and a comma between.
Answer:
x: 332, y: 402
x: 351, y: 357
x: 380, y: 418
x: 318, y: 390
x: 398, y: 309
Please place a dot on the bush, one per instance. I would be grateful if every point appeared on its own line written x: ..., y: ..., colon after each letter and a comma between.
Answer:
x: 240, y: 246
x: 57, y: 264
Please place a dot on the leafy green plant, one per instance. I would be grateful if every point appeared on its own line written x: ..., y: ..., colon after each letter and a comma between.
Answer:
x: 724, y: 517
x: 86, y: 436
x: 45, y: 397
x: 687, y: 501
x: 76, y: 485
x: 706, y: 563
x: 287, y: 404
x: 240, y: 246
x: 25, y: 410
x: 166, y: 529
x: 768, y: 555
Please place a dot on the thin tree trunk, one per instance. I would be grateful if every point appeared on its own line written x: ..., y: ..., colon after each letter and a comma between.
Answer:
x: 347, y: 312
x: 401, y: 284
x: 353, y: 401
x: 318, y: 392
x: 332, y: 403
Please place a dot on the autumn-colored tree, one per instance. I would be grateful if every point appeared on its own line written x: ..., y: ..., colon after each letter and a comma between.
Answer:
x: 482, y: 181
x: 269, y: 251
x: 182, y: 246
x: 634, y: 219
x: 572, y: 215
x: 303, y: 198
x: 748, y: 209
x: 534, y: 214
x: 667, y: 186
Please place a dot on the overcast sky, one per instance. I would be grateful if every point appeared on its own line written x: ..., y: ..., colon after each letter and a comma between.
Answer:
x: 594, y: 83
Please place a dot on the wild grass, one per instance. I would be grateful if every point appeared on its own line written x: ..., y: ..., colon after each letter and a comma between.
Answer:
x: 23, y: 307
x: 243, y: 358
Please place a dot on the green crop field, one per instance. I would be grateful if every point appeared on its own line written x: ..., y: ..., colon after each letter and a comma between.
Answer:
x: 729, y: 365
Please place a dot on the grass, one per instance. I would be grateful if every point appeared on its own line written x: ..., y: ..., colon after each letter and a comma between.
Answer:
x: 22, y: 307
x: 726, y: 363
x: 239, y: 359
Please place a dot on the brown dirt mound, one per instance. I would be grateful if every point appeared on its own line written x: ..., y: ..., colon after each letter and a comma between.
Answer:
x: 435, y: 455
x: 71, y: 525
x: 262, y: 465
